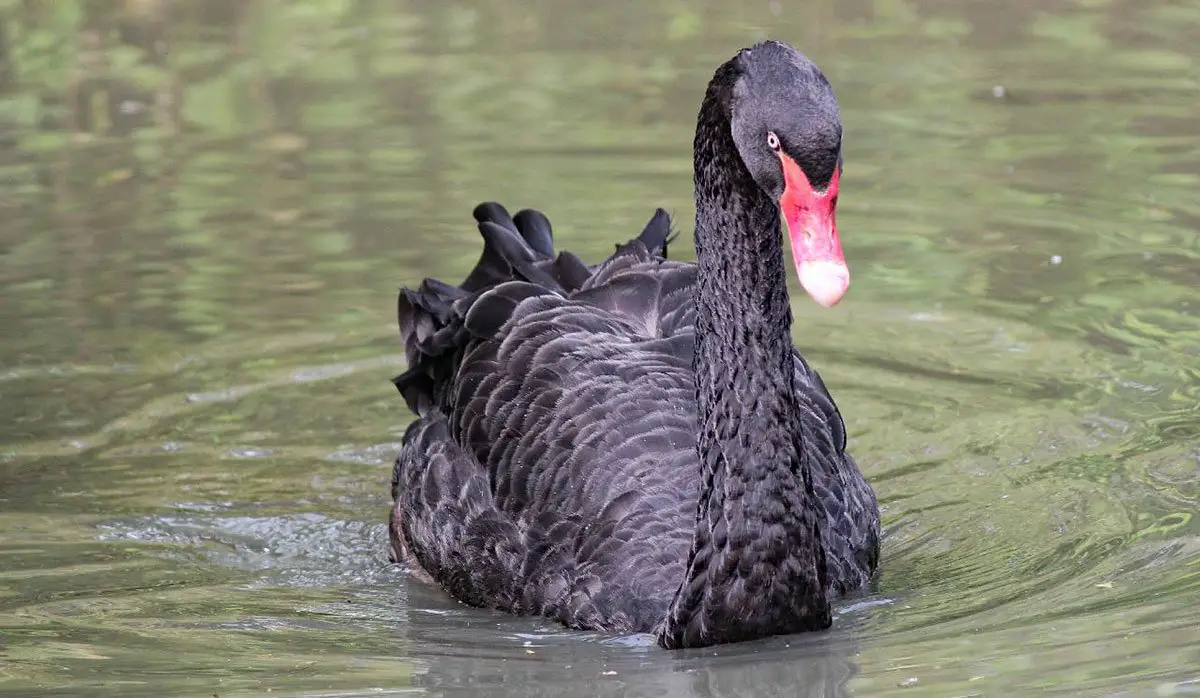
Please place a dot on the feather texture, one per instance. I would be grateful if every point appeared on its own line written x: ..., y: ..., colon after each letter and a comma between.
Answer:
x: 636, y: 445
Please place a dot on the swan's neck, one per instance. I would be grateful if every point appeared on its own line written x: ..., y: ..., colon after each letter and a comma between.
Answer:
x: 756, y: 567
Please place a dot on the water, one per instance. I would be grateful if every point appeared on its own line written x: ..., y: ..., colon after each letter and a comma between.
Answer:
x: 207, y: 208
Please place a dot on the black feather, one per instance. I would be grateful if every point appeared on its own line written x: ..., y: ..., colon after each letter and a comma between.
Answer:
x: 535, y: 228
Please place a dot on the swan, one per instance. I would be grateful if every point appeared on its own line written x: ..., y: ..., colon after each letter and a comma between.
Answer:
x: 636, y: 446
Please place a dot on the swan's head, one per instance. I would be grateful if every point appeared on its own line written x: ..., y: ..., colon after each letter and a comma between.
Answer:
x: 785, y: 122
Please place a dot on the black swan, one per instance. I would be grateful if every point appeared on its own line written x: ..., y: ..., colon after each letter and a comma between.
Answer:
x: 636, y: 446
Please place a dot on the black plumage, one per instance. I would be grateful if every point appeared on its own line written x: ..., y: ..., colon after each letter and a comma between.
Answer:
x: 636, y: 445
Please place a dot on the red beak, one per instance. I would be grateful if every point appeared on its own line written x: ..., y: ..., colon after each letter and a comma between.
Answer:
x: 812, y: 229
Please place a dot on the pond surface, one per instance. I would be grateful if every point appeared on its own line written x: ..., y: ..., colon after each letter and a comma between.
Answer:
x: 207, y: 208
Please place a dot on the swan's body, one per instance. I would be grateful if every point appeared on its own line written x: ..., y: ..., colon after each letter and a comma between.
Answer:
x: 637, y: 446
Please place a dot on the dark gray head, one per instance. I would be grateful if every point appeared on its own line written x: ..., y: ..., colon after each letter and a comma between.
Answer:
x: 779, y: 90
x: 785, y: 125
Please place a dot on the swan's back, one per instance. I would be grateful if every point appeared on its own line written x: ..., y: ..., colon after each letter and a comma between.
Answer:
x: 553, y: 468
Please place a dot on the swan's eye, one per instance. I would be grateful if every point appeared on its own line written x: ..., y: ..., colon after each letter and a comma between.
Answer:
x: 772, y: 141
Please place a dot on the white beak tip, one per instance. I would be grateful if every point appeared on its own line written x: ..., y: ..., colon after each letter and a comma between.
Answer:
x: 825, y: 281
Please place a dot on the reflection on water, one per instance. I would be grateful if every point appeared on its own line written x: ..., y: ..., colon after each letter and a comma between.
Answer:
x: 207, y: 208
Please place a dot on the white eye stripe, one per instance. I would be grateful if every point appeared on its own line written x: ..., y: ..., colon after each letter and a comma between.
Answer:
x: 772, y: 140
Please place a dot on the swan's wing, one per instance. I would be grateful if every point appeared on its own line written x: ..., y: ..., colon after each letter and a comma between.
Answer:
x: 553, y: 470
x: 851, y: 528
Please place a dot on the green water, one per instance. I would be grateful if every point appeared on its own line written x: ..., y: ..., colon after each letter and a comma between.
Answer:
x: 206, y: 208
